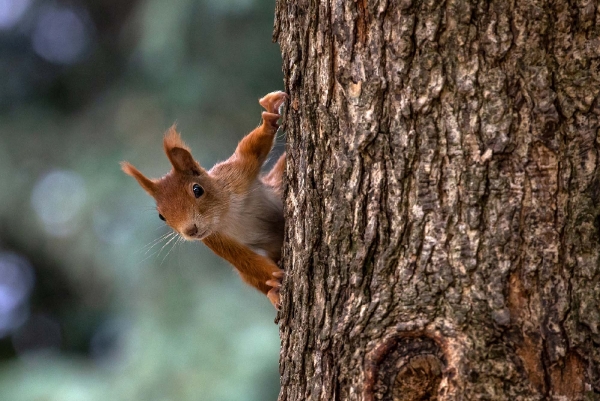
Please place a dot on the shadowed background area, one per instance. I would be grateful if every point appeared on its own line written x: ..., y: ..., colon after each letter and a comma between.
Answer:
x: 94, y: 305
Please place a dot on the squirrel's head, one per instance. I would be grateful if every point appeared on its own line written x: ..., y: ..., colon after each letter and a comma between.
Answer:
x: 188, y: 199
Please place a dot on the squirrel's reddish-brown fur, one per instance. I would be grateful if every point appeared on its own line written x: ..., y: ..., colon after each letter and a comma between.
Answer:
x: 232, y: 209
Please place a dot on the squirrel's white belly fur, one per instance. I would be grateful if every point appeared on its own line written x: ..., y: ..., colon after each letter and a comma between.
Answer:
x: 255, y: 219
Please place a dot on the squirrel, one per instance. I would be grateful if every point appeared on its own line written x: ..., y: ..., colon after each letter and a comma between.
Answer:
x: 231, y: 208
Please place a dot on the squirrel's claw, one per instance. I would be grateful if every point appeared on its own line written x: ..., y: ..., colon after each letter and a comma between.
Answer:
x: 273, y: 101
x: 279, y: 274
x: 273, y: 293
x: 273, y: 296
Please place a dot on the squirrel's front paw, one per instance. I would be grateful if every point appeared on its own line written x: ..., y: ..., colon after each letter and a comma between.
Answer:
x: 273, y: 293
x: 273, y: 101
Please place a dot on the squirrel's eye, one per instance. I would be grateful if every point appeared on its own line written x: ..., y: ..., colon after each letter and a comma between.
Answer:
x: 160, y: 216
x: 198, y: 190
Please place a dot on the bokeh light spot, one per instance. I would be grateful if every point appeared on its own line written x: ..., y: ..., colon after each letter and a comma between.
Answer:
x: 60, y: 35
x: 16, y: 282
x: 58, y: 199
x: 11, y: 12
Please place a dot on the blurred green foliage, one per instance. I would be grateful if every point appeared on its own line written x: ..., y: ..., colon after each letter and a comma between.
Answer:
x: 109, y: 314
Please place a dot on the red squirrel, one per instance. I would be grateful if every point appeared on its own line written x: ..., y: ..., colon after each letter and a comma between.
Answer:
x: 234, y: 210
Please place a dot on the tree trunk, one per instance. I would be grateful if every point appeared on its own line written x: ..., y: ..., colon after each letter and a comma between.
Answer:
x: 442, y: 200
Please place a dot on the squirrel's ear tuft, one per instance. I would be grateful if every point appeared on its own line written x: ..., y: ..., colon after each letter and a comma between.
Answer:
x: 173, y: 140
x: 179, y: 154
x: 146, y: 183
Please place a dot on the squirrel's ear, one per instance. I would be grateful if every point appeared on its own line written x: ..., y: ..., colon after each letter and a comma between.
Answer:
x: 179, y: 154
x: 146, y: 183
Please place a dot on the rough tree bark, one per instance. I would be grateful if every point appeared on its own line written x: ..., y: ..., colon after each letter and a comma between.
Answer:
x: 442, y: 200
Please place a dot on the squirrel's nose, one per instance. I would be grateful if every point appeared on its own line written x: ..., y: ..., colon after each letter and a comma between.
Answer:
x: 191, y: 231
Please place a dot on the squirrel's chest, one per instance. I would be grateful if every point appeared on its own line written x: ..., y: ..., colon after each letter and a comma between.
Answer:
x: 256, y: 220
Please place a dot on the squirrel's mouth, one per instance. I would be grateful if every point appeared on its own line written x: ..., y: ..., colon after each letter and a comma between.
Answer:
x: 200, y: 235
